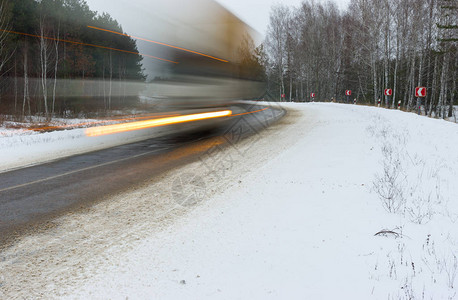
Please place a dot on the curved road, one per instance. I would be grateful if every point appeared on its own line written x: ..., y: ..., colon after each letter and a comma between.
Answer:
x: 31, y: 196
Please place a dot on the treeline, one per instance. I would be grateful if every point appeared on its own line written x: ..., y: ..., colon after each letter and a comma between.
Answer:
x: 50, y: 59
x: 373, y: 45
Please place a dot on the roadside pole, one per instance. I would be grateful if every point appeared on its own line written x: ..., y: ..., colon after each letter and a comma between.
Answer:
x: 388, y: 93
x: 419, y: 105
x: 420, y: 92
x: 348, y: 94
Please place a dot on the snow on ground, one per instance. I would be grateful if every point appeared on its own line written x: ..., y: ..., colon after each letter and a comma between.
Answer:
x: 333, y: 202
x: 21, y: 147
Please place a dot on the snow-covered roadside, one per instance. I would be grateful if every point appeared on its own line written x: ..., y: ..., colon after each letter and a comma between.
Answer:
x: 289, y: 213
x: 22, y: 147
x: 21, y: 150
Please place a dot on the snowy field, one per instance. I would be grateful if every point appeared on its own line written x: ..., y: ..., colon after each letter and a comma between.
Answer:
x: 333, y: 202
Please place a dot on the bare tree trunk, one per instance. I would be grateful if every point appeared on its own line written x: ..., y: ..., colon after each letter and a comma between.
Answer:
x: 411, y: 82
x: 433, y: 92
x: 374, y: 74
x: 290, y: 87
x: 387, y: 48
x: 386, y: 82
x: 393, y: 105
x: 120, y: 82
x: 26, y: 83
x: 44, y: 66
x: 429, y: 46
x: 56, y: 47
x: 277, y: 36
x: 5, y: 26
x: 111, y: 81
x: 15, y: 87
x: 302, y: 91
x: 361, y: 87
x: 124, y: 84
x: 452, y: 96
x: 453, y: 90
x: 443, y: 88
x: 428, y: 83
x: 420, y: 69
x: 103, y: 85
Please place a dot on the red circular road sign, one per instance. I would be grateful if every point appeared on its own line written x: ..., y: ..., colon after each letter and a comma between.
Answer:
x: 388, y: 92
x: 312, y: 95
x: 348, y: 92
x: 420, y: 91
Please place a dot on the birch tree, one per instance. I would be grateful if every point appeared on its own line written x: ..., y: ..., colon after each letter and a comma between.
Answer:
x: 5, y: 51
x: 45, y: 47
x: 277, y: 33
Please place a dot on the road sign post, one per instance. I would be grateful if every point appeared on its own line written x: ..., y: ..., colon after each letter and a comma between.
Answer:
x: 420, y: 92
x: 348, y: 94
x: 388, y: 93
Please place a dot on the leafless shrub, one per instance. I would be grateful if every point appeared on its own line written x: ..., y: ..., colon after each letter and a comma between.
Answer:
x: 420, y: 209
x: 424, y: 193
x: 393, y: 273
x: 407, y: 287
x: 451, y: 269
x: 406, y: 184
x: 389, y: 185
x: 426, y: 274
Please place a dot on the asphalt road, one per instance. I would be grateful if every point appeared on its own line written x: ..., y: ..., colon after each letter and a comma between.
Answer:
x: 32, y: 196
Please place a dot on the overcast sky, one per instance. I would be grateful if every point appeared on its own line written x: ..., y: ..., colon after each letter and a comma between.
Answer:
x: 256, y: 12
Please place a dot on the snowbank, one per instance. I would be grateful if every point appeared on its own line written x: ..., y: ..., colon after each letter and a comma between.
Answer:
x: 22, y: 147
x: 298, y: 211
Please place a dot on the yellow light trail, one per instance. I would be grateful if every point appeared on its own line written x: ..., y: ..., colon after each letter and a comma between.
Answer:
x: 117, y: 128
x: 86, y: 44
x: 85, y: 124
x: 159, y: 43
x: 250, y: 112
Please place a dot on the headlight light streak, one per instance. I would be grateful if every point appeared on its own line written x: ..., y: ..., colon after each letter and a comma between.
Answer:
x: 123, y: 127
